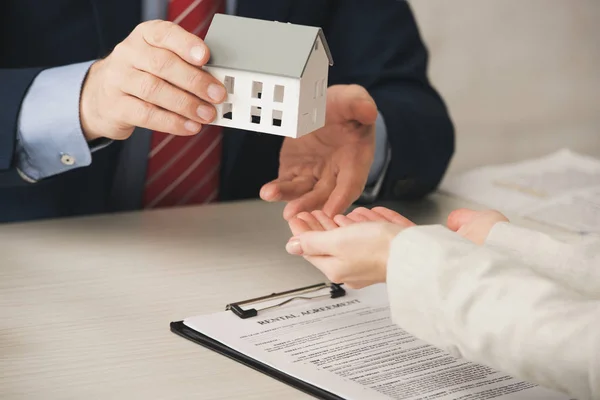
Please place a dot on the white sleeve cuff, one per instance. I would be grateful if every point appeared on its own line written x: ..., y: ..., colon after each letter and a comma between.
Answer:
x: 418, y: 256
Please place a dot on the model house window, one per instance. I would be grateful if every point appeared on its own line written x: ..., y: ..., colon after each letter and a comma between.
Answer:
x: 255, y: 114
x: 278, y: 94
x: 229, y: 83
x: 314, y: 116
x: 257, y: 88
x: 227, y: 110
x: 316, y: 90
x: 277, y: 116
x: 322, y: 88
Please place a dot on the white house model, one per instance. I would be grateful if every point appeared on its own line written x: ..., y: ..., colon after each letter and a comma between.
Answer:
x: 275, y: 74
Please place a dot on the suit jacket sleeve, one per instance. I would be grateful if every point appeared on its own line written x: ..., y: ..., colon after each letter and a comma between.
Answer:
x: 484, y: 305
x: 14, y: 84
x: 378, y: 45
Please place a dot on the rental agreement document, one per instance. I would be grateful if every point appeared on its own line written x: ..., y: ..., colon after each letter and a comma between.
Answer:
x: 561, y: 189
x: 349, y: 347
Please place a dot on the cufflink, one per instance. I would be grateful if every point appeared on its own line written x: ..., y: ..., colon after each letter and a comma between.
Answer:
x: 66, y: 159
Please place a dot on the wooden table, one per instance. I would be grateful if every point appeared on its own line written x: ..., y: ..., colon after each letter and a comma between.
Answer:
x: 86, y: 302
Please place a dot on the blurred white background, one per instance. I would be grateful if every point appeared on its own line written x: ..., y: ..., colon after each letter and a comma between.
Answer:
x: 521, y: 77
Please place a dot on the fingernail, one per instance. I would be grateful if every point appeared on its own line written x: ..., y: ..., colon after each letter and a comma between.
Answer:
x: 197, y: 53
x: 216, y: 92
x: 206, y: 113
x: 192, y: 126
x: 294, y: 247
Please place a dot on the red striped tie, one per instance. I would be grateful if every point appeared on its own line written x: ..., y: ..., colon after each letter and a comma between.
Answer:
x: 185, y: 169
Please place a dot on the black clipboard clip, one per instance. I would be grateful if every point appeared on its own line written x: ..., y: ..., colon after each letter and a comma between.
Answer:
x: 335, y: 291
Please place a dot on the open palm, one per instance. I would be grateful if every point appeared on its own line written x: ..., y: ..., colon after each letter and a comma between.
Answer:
x: 328, y: 169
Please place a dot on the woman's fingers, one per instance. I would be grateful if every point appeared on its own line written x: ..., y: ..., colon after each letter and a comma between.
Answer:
x: 369, y: 215
x: 393, y: 217
x: 343, y: 220
x: 326, y: 222
x: 311, y: 221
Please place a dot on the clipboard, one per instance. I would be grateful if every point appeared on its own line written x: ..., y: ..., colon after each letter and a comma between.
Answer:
x: 335, y: 291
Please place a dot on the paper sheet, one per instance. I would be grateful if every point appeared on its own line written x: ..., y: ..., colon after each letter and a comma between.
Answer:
x: 562, y: 189
x: 350, y: 347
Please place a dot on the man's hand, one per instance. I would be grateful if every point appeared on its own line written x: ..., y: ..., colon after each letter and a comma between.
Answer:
x: 152, y: 80
x: 328, y: 168
x: 474, y: 225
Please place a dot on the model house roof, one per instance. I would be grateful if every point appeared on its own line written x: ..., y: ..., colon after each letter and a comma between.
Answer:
x: 256, y: 45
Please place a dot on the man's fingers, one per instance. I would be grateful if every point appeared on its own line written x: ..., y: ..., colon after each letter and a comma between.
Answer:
x: 270, y: 191
x: 340, y: 199
x: 300, y: 185
x: 156, y: 91
x: 312, y: 200
x: 364, y: 111
x: 169, y: 67
x: 354, y: 103
x: 393, y: 217
x: 348, y: 187
x: 137, y: 112
x: 170, y: 36
x: 326, y: 222
x: 286, y: 190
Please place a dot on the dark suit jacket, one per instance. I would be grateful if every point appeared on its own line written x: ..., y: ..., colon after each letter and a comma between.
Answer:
x: 374, y: 43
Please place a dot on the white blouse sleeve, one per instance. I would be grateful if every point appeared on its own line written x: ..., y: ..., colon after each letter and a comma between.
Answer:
x: 493, y: 309
x: 574, y: 265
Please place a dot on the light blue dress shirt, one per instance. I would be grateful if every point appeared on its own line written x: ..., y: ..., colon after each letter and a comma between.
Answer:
x: 50, y: 139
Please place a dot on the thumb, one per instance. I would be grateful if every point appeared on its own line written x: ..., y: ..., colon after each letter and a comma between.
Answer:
x: 460, y: 217
x: 313, y: 243
x: 364, y: 110
x: 354, y: 104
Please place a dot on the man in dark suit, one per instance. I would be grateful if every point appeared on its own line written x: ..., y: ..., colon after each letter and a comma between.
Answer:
x: 87, y: 89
